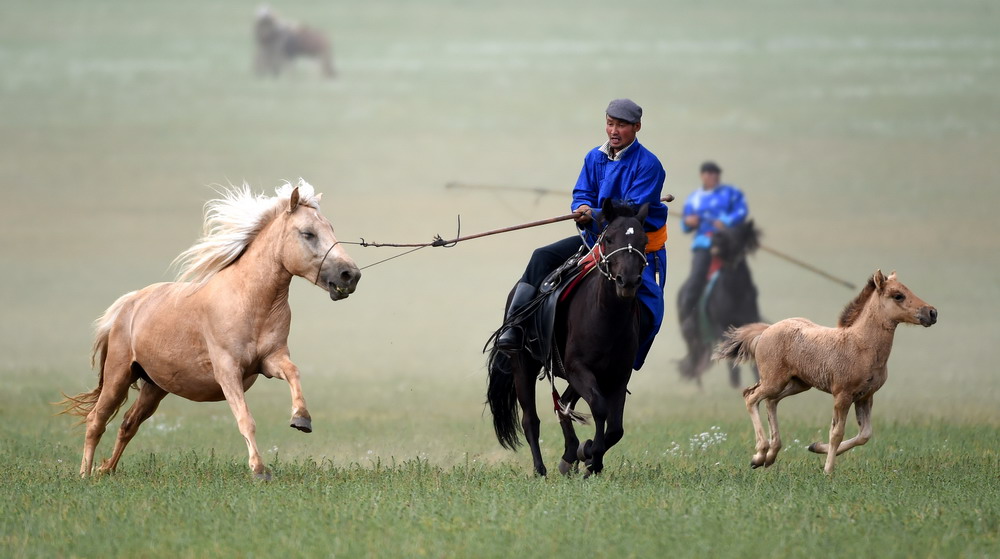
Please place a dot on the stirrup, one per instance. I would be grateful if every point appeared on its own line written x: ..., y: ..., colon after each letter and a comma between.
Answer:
x: 511, y: 340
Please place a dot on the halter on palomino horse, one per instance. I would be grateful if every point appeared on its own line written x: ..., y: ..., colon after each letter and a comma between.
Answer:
x: 730, y: 300
x: 209, y: 335
x: 848, y: 361
x: 596, y: 339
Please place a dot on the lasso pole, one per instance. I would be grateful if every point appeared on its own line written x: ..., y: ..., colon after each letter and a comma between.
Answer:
x: 438, y: 241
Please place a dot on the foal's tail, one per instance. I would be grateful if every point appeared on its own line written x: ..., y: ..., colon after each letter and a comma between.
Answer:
x: 81, y: 404
x: 740, y: 344
x: 502, y: 399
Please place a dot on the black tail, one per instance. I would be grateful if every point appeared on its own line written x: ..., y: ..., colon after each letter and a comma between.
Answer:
x: 502, y: 399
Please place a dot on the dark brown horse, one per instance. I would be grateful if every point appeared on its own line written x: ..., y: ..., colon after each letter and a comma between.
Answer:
x: 729, y: 301
x: 596, y: 339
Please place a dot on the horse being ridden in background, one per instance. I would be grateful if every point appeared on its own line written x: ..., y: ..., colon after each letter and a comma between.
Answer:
x: 848, y: 361
x: 209, y: 335
x: 595, y: 343
x: 729, y: 300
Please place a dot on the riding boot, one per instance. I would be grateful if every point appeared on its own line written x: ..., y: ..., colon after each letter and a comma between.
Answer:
x: 511, y: 340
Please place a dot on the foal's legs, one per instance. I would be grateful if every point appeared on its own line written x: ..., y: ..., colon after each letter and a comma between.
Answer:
x: 116, y: 378
x: 863, y: 409
x: 150, y: 396
x: 227, y: 374
x: 841, y: 405
x: 794, y: 386
x: 281, y: 366
x: 524, y: 386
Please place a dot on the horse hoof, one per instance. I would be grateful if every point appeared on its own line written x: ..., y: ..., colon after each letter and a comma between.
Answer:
x: 565, y: 468
x: 263, y: 476
x: 812, y: 448
x: 303, y: 424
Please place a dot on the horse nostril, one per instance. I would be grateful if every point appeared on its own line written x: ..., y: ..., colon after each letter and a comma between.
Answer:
x: 346, y: 276
x: 620, y: 281
x: 933, y: 313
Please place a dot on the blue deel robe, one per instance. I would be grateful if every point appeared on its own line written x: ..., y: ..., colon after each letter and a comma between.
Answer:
x: 723, y: 203
x: 636, y: 178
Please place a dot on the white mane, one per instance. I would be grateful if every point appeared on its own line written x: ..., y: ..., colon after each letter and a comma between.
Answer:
x: 232, y: 222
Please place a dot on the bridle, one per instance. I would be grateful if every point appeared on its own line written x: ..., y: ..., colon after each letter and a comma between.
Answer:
x: 604, y: 260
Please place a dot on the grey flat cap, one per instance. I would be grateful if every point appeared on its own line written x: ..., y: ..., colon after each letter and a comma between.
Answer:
x: 625, y: 109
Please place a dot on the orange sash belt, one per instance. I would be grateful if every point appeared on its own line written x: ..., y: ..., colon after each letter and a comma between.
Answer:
x: 656, y: 240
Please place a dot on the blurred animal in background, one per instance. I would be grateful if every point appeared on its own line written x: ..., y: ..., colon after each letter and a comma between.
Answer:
x: 848, y: 361
x: 279, y: 42
x: 728, y: 300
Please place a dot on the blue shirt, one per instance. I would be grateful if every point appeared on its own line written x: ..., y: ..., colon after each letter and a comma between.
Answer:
x: 723, y: 203
x: 635, y: 177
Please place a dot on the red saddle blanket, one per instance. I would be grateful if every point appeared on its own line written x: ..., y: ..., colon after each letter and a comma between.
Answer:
x: 586, y: 265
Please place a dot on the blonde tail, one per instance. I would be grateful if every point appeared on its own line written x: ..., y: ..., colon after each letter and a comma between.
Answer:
x: 81, y: 404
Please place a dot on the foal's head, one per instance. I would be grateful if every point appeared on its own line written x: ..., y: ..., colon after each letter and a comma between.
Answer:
x: 310, y: 249
x: 900, y: 304
x: 623, y: 247
x: 894, y: 301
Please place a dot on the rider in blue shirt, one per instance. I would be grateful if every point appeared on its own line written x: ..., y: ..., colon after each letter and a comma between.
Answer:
x: 711, y: 208
x: 621, y: 169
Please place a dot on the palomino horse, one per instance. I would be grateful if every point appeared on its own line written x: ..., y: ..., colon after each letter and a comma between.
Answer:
x: 730, y: 300
x: 597, y: 336
x: 209, y: 335
x: 848, y: 361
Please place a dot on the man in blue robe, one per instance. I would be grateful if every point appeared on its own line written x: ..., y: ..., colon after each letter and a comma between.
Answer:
x: 621, y: 169
x: 707, y: 210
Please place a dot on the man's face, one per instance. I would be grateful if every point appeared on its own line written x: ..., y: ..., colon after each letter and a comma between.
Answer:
x: 621, y: 133
x: 710, y: 180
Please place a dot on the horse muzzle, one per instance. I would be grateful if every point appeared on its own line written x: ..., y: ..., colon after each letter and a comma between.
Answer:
x: 927, y: 316
x: 344, y: 283
x: 627, y: 289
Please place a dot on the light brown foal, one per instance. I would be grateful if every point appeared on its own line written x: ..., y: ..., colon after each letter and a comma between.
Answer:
x: 848, y: 361
x: 209, y: 335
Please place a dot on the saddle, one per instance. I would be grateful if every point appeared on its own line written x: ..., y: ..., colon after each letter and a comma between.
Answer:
x: 538, y: 317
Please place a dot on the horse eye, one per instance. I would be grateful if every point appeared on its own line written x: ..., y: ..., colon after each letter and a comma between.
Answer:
x: 308, y: 235
x: 899, y: 297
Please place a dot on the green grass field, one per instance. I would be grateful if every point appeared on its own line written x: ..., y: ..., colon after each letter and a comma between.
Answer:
x: 865, y: 136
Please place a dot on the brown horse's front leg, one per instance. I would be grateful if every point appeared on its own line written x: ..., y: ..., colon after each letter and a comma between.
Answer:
x: 281, y: 366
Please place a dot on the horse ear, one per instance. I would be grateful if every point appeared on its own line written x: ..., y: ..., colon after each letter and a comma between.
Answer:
x: 293, y: 200
x: 892, y: 276
x: 608, y: 210
x: 643, y: 213
x: 879, y: 280
x: 318, y: 197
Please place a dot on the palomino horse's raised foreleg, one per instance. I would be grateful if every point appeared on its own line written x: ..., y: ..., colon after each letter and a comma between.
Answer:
x: 145, y: 405
x: 229, y: 379
x: 524, y: 385
x: 281, y: 366
x: 863, y: 409
x: 570, y: 461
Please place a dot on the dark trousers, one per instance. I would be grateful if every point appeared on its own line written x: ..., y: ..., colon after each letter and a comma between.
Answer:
x: 701, y: 260
x: 547, y: 258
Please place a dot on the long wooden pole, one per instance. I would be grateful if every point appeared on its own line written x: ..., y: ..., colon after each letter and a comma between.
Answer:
x: 438, y: 241
x: 765, y: 248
